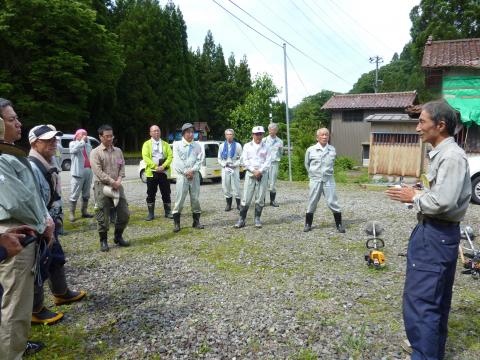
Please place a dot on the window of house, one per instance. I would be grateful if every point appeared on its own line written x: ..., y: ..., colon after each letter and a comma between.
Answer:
x: 389, y: 138
x: 352, y: 115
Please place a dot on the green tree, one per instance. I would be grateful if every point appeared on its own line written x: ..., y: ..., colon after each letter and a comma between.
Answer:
x: 256, y: 108
x: 57, y: 61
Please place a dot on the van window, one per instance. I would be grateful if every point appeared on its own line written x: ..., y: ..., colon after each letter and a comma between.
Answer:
x: 211, y: 150
x: 66, y: 142
x: 94, y: 142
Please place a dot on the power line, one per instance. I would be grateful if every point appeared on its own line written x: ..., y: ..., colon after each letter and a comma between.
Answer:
x: 315, y: 25
x: 298, y: 75
x: 286, y: 41
x: 337, y: 29
x: 243, y: 22
x: 361, y: 26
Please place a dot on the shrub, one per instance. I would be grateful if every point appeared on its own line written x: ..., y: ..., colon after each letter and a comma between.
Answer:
x: 344, y: 163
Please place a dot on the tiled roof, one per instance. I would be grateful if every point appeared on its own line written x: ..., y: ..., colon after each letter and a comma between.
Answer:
x: 448, y: 53
x: 390, y: 118
x: 393, y: 100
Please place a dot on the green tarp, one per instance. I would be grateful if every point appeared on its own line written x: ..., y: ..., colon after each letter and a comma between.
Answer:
x: 463, y: 94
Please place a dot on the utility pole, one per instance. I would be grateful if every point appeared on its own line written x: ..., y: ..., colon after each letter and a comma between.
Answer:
x: 377, y: 60
x: 287, y: 113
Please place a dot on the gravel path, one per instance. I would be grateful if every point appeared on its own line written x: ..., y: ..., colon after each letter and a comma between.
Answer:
x: 270, y: 293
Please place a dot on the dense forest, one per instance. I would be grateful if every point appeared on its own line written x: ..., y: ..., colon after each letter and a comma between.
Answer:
x: 82, y: 63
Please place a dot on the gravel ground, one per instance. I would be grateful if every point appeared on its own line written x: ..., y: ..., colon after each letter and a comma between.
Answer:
x: 270, y: 293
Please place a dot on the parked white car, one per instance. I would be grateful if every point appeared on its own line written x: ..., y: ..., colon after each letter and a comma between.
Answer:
x: 474, y: 163
x: 210, y: 168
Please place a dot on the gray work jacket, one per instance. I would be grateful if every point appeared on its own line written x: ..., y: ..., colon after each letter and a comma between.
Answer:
x: 187, y: 156
x: 450, y: 187
x: 319, y: 163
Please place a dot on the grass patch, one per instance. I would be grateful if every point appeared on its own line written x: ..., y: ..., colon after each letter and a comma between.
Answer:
x: 306, y: 354
x: 67, y: 341
x: 355, y: 344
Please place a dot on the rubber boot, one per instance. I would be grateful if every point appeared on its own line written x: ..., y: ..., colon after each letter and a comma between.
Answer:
x: 338, y: 222
x: 103, y: 242
x: 151, y: 212
x: 258, y: 213
x: 229, y: 204
x: 119, y: 240
x: 85, y: 213
x: 196, y: 221
x: 168, y: 210
x: 308, y: 222
x: 272, y: 199
x: 176, y: 222
x: 238, y: 204
x: 243, y: 215
x: 73, y: 205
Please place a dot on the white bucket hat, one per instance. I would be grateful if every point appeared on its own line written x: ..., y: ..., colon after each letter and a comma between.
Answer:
x: 108, y: 191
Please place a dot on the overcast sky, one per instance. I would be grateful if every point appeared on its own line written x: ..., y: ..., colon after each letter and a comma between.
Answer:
x: 339, y: 36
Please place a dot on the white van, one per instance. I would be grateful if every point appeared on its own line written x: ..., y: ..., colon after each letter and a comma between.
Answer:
x: 64, y: 142
x: 210, y: 168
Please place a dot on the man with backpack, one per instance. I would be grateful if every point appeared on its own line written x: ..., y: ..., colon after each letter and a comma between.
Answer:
x: 43, y: 146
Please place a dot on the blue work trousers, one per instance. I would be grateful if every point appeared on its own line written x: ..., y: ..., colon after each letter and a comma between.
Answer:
x: 431, y: 261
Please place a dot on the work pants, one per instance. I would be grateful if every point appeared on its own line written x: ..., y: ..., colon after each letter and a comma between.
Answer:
x: 103, y: 204
x: 254, y: 188
x: 158, y: 180
x: 16, y: 279
x: 81, y: 185
x: 184, y: 187
x: 327, y: 188
x: 231, y: 183
x: 272, y: 176
x: 431, y: 261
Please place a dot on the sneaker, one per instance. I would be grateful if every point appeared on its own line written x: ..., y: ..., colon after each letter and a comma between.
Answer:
x: 69, y: 297
x: 46, y: 317
x: 33, y: 347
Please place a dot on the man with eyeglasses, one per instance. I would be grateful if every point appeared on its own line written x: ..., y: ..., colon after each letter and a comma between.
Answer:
x: 108, y: 166
x: 43, y: 144
x: 256, y: 159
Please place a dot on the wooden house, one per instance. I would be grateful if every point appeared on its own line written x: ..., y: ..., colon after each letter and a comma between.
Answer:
x: 350, y: 129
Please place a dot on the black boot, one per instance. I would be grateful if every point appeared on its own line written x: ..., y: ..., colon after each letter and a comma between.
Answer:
x: 243, y: 215
x: 272, y: 199
x: 151, y: 211
x: 308, y: 222
x: 196, y: 221
x: 176, y: 222
x: 168, y: 210
x: 338, y: 222
x: 229, y: 204
x: 238, y: 204
x: 258, y: 213
x: 119, y: 240
x: 103, y: 241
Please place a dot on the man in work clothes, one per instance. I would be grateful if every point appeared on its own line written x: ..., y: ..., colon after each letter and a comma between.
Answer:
x: 20, y: 204
x: 44, y: 145
x: 229, y: 154
x: 81, y: 172
x: 433, y: 247
x: 157, y: 156
x: 256, y: 159
x: 319, y: 161
x: 108, y: 166
x: 187, y: 159
x: 276, y: 148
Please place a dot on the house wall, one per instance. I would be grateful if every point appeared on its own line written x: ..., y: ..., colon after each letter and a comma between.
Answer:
x: 347, y: 137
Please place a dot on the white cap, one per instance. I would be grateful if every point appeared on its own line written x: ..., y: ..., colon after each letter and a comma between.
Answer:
x: 42, y: 132
x: 257, y: 129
